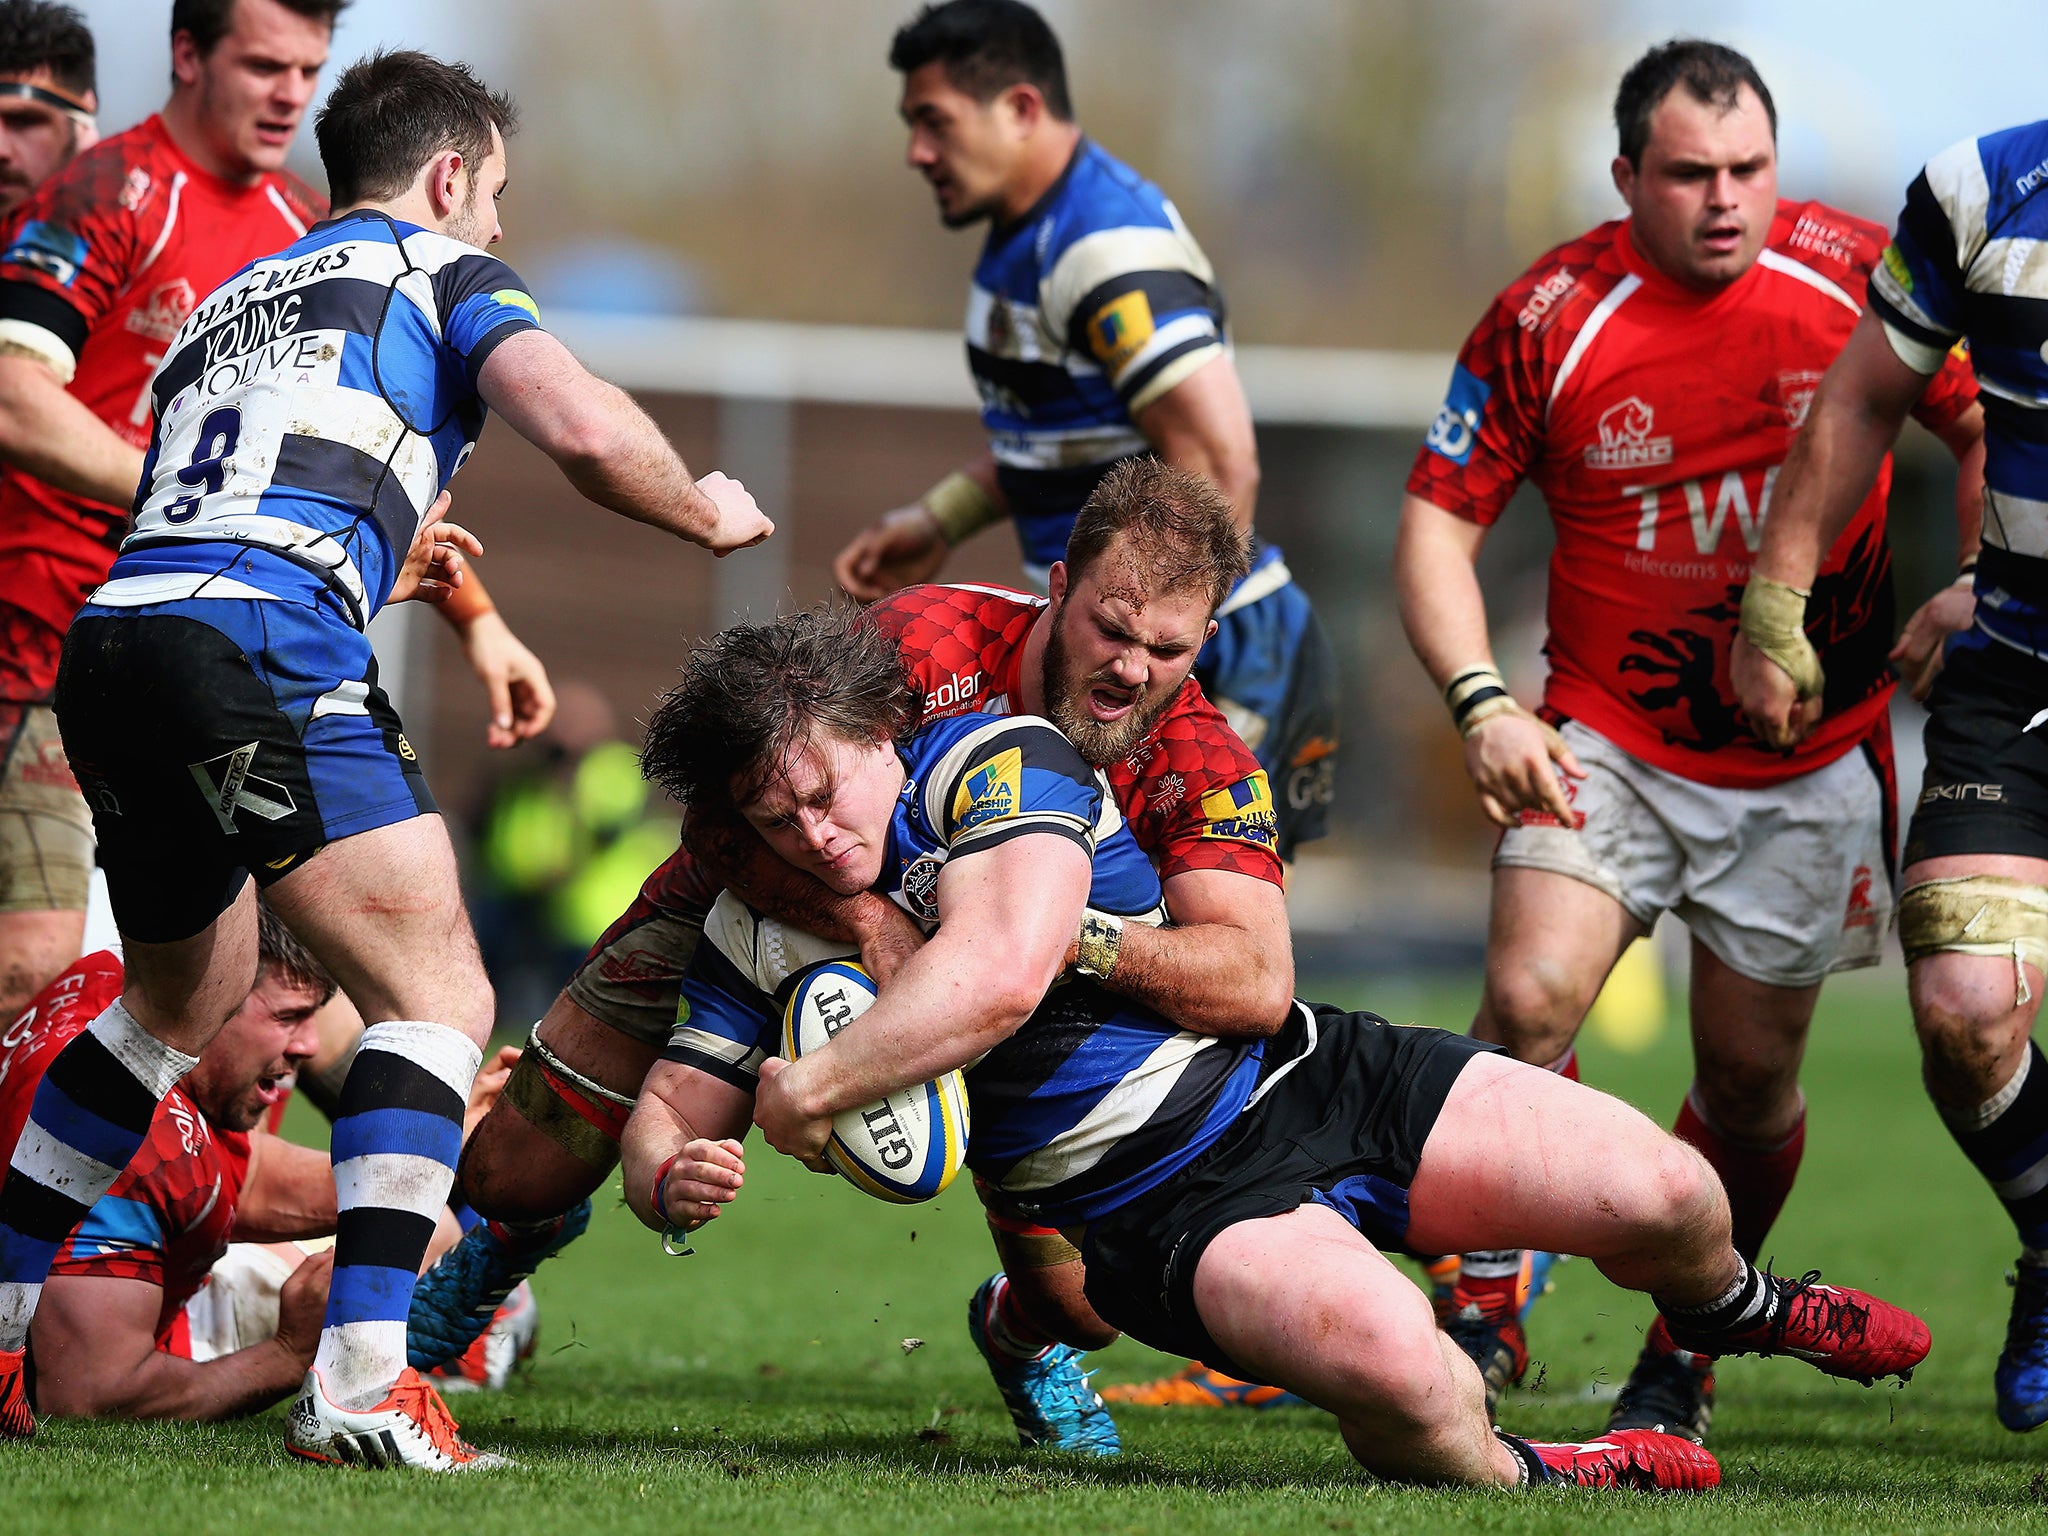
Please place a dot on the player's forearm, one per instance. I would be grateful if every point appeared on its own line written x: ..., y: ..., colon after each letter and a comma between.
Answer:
x: 1213, y: 979
x: 733, y: 854
x: 288, y: 1193
x: 1436, y: 582
x: 620, y: 460
x: 46, y: 431
x: 677, y: 1106
x: 1965, y: 439
x: 163, y: 1386
x: 467, y: 603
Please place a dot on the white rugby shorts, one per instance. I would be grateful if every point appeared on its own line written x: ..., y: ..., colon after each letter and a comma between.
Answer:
x: 1783, y: 883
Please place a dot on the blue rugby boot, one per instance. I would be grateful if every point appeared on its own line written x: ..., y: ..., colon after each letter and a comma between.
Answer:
x: 1049, y: 1398
x: 455, y: 1300
x: 2022, y: 1374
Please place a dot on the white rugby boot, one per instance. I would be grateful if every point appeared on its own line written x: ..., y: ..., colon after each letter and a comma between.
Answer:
x: 412, y: 1427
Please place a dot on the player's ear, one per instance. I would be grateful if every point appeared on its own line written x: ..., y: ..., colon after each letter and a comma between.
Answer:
x: 443, y: 182
x: 1024, y: 106
x: 1210, y: 633
x: 1624, y: 177
x: 1056, y: 582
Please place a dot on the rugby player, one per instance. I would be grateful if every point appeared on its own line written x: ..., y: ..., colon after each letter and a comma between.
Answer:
x: 218, y: 702
x: 1973, y: 914
x: 1648, y: 378
x: 140, y: 1318
x: 1107, y: 658
x: 1095, y: 331
x: 1227, y: 1194
x: 49, y: 95
x: 107, y: 261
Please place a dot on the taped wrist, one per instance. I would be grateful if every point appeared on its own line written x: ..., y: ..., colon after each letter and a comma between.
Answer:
x: 1476, y: 695
x: 582, y: 1117
x: 1774, y: 621
x: 960, y: 507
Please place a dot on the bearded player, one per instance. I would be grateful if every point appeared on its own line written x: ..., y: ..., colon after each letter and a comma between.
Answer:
x: 109, y: 258
x: 1095, y: 331
x: 1114, y: 677
x: 1648, y: 377
x: 48, y: 95
x: 1973, y: 917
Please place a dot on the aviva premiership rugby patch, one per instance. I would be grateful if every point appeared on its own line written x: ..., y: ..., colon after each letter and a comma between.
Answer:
x: 1120, y: 330
x: 991, y: 791
x: 1241, y: 812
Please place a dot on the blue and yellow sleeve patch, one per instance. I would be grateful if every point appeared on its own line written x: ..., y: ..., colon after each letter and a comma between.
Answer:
x: 1119, y: 330
x: 1242, y: 812
x: 49, y: 249
x: 990, y: 791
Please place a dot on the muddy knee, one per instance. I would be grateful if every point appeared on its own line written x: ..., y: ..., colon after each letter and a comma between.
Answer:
x: 550, y: 1140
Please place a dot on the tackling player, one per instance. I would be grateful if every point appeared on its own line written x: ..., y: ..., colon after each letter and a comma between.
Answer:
x: 1648, y: 377
x: 48, y: 95
x: 218, y: 700
x: 108, y: 259
x: 1228, y: 1194
x: 1095, y: 331
x: 1973, y: 915
x: 1108, y: 658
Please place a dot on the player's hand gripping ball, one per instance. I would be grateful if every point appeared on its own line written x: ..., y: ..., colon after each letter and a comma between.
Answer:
x: 906, y: 1148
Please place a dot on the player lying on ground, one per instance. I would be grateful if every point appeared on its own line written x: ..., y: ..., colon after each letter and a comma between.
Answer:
x: 1622, y: 375
x: 219, y: 703
x: 1973, y: 918
x: 139, y: 1318
x: 1200, y: 807
x: 1226, y: 1195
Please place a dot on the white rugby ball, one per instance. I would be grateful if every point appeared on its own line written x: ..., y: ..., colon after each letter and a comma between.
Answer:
x: 906, y: 1148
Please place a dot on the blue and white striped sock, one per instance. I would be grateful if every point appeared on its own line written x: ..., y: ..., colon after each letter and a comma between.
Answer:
x: 395, y: 1144
x: 89, y: 1114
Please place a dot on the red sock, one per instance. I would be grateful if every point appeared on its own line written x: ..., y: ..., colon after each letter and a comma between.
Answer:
x: 1007, y: 1327
x: 1757, y: 1178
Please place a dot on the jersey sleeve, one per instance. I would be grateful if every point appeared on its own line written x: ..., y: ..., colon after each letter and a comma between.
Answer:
x: 121, y: 1238
x: 1917, y: 289
x: 483, y: 303
x: 69, y: 258
x: 1488, y: 434
x: 725, y: 1025
x: 1142, y: 302
x: 1952, y: 390
x: 1010, y: 779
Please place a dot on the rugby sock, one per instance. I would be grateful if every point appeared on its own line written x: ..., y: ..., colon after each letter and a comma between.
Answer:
x: 1533, y: 1470
x: 1749, y: 1302
x: 1491, y: 1279
x: 2006, y: 1137
x: 395, y: 1144
x: 1007, y: 1329
x: 1758, y: 1178
x: 89, y: 1114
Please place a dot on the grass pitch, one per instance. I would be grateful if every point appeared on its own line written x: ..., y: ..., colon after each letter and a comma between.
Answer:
x: 764, y: 1384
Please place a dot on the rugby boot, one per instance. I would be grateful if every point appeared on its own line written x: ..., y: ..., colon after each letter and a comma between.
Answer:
x: 1671, y: 1390
x: 1631, y: 1458
x: 412, y: 1427
x: 488, y: 1363
x: 1048, y: 1396
x: 455, y: 1301
x: 1196, y: 1386
x: 1495, y: 1343
x: 1836, y: 1330
x: 17, y: 1419
x: 2022, y: 1374
x: 1533, y: 1286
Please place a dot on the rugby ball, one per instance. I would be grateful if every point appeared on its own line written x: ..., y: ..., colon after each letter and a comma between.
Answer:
x: 906, y: 1148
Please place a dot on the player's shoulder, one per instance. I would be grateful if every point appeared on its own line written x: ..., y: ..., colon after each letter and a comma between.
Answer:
x: 964, y: 608
x: 117, y: 186
x: 1825, y: 240
x: 1537, y: 316
x: 956, y: 641
x: 1194, y: 740
x: 1100, y: 200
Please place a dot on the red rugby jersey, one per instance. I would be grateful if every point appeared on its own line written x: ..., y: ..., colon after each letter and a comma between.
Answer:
x: 1654, y: 420
x: 109, y: 256
x: 167, y: 1218
x: 1193, y: 793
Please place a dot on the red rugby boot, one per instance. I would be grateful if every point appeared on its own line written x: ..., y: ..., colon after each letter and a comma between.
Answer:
x: 1839, y: 1331
x: 1631, y: 1458
x: 17, y: 1419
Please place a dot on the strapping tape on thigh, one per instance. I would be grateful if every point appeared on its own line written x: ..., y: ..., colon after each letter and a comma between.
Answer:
x: 583, y: 1117
x: 1977, y: 915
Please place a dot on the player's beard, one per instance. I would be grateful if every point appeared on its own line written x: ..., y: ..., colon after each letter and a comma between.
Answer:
x: 465, y: 225
x: 1100, y: 742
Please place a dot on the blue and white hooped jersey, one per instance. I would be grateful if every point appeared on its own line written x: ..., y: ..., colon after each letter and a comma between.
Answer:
x: 1093, y: 1100
x: 1969, y: 262
x: 1090, y: 307
x: 314, y: 406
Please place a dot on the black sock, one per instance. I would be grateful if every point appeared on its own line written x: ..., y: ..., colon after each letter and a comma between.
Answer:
x: 1749, y: 1302
x: 1534, y: 1473
x: 2006, y: 1139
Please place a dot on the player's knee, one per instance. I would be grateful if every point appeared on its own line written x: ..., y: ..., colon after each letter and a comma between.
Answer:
x: 1534, y: 1008
x: 1663, y: 1191
x: 1054, y: 1299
